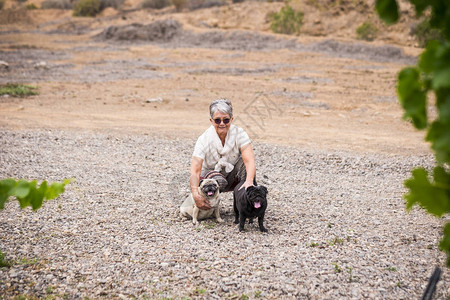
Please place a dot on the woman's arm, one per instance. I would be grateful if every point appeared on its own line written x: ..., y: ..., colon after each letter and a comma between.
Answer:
x: 248, y: 158
x: 196, y: 169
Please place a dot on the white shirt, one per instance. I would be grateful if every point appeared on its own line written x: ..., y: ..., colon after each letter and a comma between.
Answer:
x: 217, y: 157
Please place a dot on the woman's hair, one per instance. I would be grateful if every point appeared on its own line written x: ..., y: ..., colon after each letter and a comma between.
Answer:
x: 223, y: 105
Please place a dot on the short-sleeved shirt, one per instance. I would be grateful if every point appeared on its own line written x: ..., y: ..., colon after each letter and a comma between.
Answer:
x: 217, y: 157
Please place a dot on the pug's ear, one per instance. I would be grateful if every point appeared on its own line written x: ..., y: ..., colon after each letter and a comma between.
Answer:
x: 200, y: 183
x: 250, y: 189
x: 264, y: 189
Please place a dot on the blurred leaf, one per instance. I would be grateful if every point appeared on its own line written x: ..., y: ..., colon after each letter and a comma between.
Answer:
x: 21, y: 189
x: 445, y: 242
x: 439, y: 136
x: 387, y: 10
x: 27, y: 192
x: 54, y: 190
x: 412, y: 97
x: 420, y: 5
x: 429, y: 196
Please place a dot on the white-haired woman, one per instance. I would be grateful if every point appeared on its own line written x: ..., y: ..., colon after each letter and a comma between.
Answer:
x: 223, y: 152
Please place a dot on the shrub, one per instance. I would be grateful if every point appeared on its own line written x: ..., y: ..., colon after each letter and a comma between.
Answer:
x: 287, y: 21
x: 425, y: 33
x: 86, y: 8
x: 56, y: 4
x: 17, y: 90
x: 31, y: 6
x: 2, y: 4
x: 366, y: 31
x: 179, y: 4
x: 155, y: 4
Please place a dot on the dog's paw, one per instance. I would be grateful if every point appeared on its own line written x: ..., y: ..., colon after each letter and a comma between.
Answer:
x: 220, y: 220
x: 264, y: 230
x: 195, y: 222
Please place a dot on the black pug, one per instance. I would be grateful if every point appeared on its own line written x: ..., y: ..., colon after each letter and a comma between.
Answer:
x: 249, y: 203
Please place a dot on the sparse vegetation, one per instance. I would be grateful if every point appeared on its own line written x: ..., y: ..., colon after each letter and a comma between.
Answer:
x: 287, y: 21
x: 425, y: 33
x: 3, y: 262
x: 18, y: 90
x: 337, y: 269
x: 31, y: 6
x: 155, y: 4
x: 56, y: 4
x: 366, y: 31
x: 87, y: 8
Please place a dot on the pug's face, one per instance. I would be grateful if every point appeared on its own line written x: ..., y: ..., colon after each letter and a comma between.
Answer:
x: 257, y: 195
x: 209, y: 187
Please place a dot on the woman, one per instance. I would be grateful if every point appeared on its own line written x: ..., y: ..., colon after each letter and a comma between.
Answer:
x: 223, y: 152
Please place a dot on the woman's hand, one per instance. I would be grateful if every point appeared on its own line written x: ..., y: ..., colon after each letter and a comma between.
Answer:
x: 201, y: 202
x: 246, y: 184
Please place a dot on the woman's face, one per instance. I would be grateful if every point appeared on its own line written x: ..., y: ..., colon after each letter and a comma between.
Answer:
x: 221, y: 118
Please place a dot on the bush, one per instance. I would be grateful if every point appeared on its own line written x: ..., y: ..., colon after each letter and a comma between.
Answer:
x: 18, y: 90
x: 367, y: 31
x: 56, y: 4
x: 86, y: 8
x: 155, y: 4
x: 425, y: 33
x: 179, y: 4
x: 287, y: 21
x: 31, y: 6
x: 2, y: 4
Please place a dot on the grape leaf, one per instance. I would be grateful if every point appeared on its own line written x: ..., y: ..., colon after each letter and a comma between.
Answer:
x: 387, y: 10
x: 426, y: 194
x: 412, y: 96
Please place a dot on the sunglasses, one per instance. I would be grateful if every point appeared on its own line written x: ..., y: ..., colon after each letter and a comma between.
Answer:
x: 224, y: 120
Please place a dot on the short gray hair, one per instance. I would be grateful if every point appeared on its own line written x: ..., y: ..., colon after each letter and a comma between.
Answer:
x: 223, y: 105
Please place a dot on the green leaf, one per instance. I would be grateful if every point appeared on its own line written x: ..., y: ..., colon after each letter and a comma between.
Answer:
x: 6, y: 186
x: 439, y: 136
x: 429, y: 196
x: 441, y: 78
x: 21, y: 189
x: 427, y: 59
x: 54, y: 190
x: 412, y: 97
x: 387, y: 10
x: 443, y: 103
x: 420, y: 5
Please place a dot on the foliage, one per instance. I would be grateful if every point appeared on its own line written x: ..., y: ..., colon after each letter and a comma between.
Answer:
x: 155, y: 4
x: 31, y: 6
x: 2, y: 4
x: 87, y: 8
x: 3, y: 261
x: 425, y: 33
x: 366, y: 31
x: 17, y: 90
x: 28, y: 193
x: 287, y: 21
x: 56, y: 4
x: 431, y: 191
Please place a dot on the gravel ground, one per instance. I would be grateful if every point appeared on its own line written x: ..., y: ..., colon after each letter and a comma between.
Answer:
x: 337, y: 225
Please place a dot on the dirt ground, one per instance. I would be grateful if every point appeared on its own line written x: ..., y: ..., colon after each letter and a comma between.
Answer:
x: 323, y: 89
